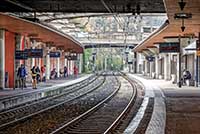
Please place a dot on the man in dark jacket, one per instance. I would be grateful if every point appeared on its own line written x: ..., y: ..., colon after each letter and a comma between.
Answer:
x: 65, y: 71
x: 21, y: 73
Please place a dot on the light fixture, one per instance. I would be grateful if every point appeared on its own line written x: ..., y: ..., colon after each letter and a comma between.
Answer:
x: 182, y: 4
x: 138, y: 10
x: 128, y: 6
x: 182, y: 15
x: 133, y: 12
x: 182, y: 27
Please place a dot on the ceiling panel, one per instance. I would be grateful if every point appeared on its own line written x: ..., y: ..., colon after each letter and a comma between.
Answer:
x: 83, y: 6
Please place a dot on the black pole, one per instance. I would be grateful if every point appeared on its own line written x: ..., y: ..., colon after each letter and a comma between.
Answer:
x: 179, y: 83
x: 83, y: 62
x: 197, y: 71
x: 135, y: 62
x: 197, y: 61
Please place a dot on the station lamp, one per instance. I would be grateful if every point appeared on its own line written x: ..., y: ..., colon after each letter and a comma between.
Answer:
x: 182, y: 15
x: 182, y: 4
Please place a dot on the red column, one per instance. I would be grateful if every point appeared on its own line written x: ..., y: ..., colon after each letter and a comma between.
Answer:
x: 22, y: 46
x: 9, y: 56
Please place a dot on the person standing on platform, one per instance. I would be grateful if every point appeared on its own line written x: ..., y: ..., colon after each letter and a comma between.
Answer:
x: 22, y: 75
x: 75, y: 71
x: 38, y: 74
x: 43, y: 70
x: 18, y: 77
x: 65, y: 71
x: 34, y: 74
x: 186, y: 76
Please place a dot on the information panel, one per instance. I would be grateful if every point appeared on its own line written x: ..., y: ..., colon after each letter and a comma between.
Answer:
x: 21, y: 55
x: 150, y: 58
x: 34, y: 53
x: 54, y: 54
x: 71, y: 57
x: 130, y: 62
x: 169, y: 47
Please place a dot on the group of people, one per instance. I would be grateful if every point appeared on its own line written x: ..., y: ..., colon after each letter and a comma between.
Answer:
x: 39, y: 75
x: 65, y: 73
x: 35, y: 74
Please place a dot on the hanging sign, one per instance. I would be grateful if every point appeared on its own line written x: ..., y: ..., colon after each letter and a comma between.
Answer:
x: 54, y: 54
x: 71, y: 57
x: 34, y: 53
x: 21, y: 55
x: 150, y: 58
x: 169, y: 47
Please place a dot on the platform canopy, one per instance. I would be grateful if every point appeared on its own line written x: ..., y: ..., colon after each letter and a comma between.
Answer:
x: 83, y: 6
x: 172, y: 27
x: 39, y: 32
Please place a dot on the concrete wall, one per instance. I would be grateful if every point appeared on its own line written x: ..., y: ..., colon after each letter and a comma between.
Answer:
x: 10, y: 57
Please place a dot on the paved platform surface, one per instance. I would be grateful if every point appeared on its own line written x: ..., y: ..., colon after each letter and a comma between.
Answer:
x: 176, y: 110
x: 157, y: 122
x: 42, y: 85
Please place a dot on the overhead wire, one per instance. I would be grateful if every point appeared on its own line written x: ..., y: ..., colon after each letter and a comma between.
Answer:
x: 117, y: 18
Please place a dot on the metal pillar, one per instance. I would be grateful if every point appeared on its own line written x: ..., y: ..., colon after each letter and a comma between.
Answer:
x: 179, y: 67
x: 2, y: 59
x: 80, y: 62
x: 167, y: 67
x: 83, y: 62
x: 156, y: 67
x: 197, y: 71
x: 65, y: 62
x: 105, y: 63
x: 33, y: 63
x: 197, y: 64
x: 135, y: 62
x: 145, y: 67
x: 68, y: 68
x: 151, y: 68
x: 48, y: 71
x: 58, y: 66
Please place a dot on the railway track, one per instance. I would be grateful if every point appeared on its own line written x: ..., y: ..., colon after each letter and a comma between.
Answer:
x: 41, y: 94
x: 13, y: 115
x: 106, y: 115
x: 51, y: 118
x: 83, y: 113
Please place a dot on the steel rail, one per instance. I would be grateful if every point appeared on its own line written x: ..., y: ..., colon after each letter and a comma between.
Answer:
x: 36, y: 91
x: 90, y: 111
x: 134, y: 95
x: 51, y: 97
x: 49, y: 108
x: 99, y: 105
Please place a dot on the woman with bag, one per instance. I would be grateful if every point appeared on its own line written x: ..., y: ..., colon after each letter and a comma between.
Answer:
x: 34, y: 74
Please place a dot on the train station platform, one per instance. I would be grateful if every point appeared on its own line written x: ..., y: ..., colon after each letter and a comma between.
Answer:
x: 10, y: 97
x: 169, y: 86
x: 8, y: 92
x: 165, y: 94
